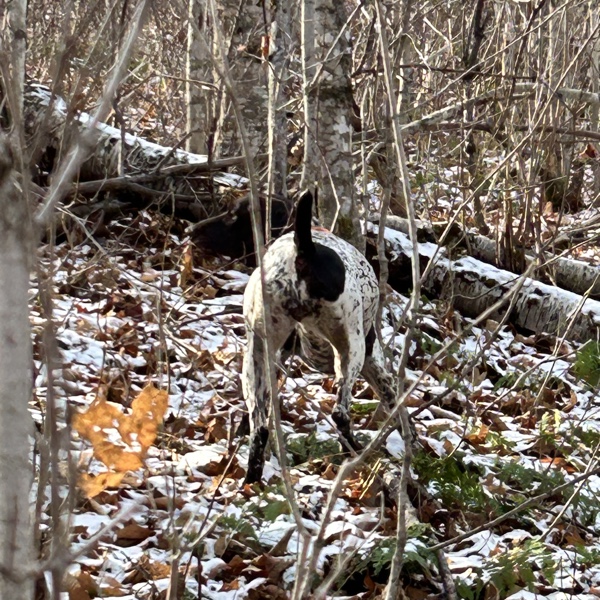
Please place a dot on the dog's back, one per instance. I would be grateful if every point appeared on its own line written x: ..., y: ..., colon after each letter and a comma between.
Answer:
x: 312, y: 271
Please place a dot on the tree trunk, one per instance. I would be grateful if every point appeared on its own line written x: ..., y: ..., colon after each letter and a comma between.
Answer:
x: 245, y: 34
x: 279, y: 41
x: 334, y: 108
x: 309, y: 96
x: 199, y: 99
x: 16, y: 425
x: 594, y: 77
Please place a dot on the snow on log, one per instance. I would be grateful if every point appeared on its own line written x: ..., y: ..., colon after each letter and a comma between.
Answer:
x: 568, y: 273
x: 117, y: 154
x: 473, y: 286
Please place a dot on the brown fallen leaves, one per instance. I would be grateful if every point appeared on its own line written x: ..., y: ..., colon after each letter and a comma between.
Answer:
x: 119, y: 440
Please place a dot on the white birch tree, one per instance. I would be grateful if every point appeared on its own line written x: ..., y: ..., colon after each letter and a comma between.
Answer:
x: 199, y: 95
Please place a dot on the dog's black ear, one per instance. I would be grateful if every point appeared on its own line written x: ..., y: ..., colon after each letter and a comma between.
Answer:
x: 302, y: 225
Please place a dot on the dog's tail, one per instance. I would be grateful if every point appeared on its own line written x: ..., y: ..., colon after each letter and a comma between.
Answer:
x: 302, y: 226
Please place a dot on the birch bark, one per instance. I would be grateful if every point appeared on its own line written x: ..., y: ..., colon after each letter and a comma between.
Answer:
x: 199, y: 99
x: 333, y: 54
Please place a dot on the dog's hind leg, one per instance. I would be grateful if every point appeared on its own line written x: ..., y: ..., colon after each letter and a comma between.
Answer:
x: 348, y: 344
x: 257, y: 393
x: 256, y: 382
x: 382, y: 381
x: 375, y: 372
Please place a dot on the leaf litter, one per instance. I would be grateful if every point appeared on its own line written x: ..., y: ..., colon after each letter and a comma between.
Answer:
x: 132, y: 320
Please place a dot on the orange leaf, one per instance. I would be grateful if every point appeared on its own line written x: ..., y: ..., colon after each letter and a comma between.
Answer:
x: 117, y: 457
x: 100, y: 415
x: 120, y: 440
x: 187, y: 267
x: 479, y: 436
x: 148, y: 411
x: 92, y: 485
x: 133, y: 531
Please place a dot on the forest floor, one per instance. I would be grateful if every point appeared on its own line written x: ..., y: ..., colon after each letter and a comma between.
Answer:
x: 139, y: 305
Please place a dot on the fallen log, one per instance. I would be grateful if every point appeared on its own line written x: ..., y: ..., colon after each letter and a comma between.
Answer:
x: 567, y: 273
x: 473, y: 286
x: 119, y: 160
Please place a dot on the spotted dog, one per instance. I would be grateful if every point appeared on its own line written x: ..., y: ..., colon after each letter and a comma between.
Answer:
x: 321, y: 288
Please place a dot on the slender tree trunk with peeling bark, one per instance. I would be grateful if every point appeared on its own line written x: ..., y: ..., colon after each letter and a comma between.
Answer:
x: 198, y: 67
x: 244, y: 27
x: 279, y: 40
x: 595, y: 85
x: 16, y: 425
x: 334, y: 108
x: 309, y: 69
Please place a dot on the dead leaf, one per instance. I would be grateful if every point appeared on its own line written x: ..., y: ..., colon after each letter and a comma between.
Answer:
x: 216, y: 430
x: 133, y: 531
x: 572, y: 403
x: 81, y: 586
x: 267, y: 591
x: 186, y: 269
x: 92, y: 485
x: 560, y: 463
x: 209, y: 292
x: 479, y: 435
x: 269, y: 566
x: 168, y: 503
x: 148, y: 411
x: 120, y: 440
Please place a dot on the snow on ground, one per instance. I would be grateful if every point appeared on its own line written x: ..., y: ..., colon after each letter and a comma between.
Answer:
x: 517, y: 425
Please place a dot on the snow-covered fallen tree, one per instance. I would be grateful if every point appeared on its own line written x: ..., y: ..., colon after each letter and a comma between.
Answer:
x: 473, y: 286
x: 119, y: 160
x: 568, y: 273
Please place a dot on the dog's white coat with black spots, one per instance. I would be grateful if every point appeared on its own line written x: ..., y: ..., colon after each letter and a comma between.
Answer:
x: 323, y: 289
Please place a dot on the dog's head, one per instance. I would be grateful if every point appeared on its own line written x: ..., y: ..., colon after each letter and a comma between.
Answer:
x: 230, y: 234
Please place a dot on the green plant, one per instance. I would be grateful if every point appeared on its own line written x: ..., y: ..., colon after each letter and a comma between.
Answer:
x: 453, y: 482
x: 507, y: 381
x: 586, y: 509
x: 497, y: 442
x: 549, y: 424
x: 527, y: 479
x: 428, y: 344
x: 587, y: 557
x: 238, y: 525
x: 304, y: 447
x: 377, y: 560
x: 381, y: 556
x: 589, y: 438
x: 364, y: 407
x: 269, y: 504
x: 510, y: 571
x: 587, y: 363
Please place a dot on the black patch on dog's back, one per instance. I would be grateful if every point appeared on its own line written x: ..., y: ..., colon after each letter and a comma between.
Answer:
x: 319, y: 266
x: 324, y: 273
